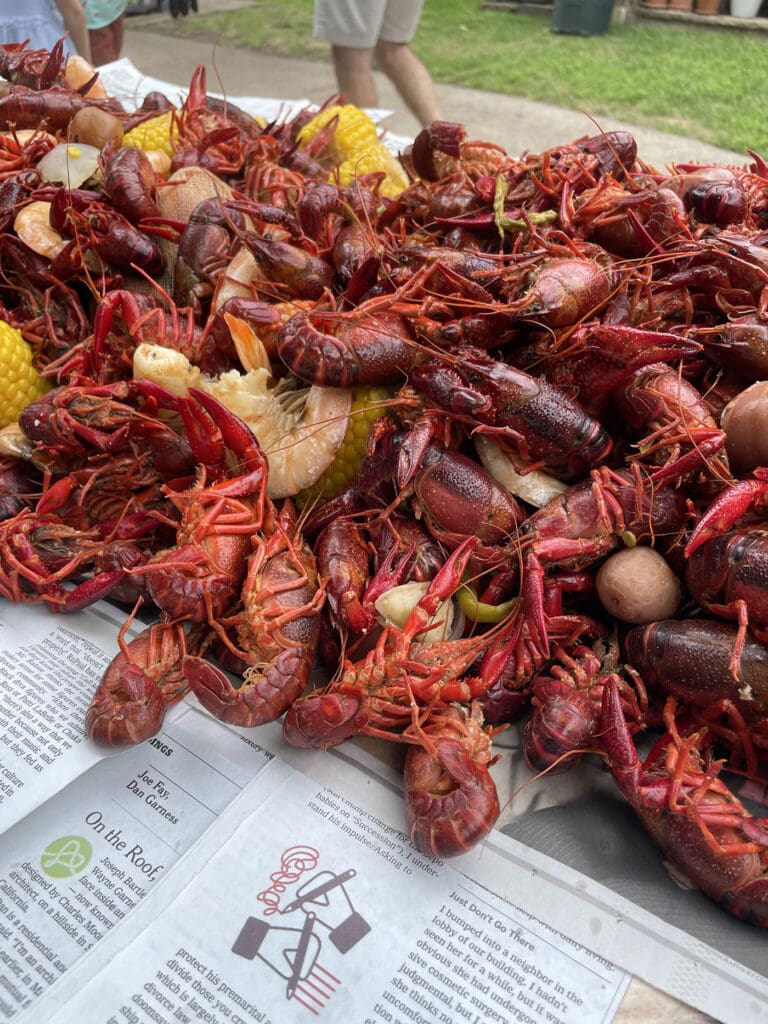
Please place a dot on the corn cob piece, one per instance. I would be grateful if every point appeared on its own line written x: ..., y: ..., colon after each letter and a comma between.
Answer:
x: 155, y: 133
x: 367, y: 407
x: 353, y: 147
x: 20, y: 383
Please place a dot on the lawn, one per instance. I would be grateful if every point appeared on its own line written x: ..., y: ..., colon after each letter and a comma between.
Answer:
x: 705, y: 83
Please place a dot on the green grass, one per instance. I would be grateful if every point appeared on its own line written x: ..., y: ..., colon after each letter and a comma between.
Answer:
x: 708, y: 84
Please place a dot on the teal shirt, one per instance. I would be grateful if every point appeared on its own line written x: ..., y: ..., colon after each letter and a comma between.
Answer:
x: 99, y: 13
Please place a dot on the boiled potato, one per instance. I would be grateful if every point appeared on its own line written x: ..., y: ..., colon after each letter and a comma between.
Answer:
x: 745, y: 422
x: 637, y: 585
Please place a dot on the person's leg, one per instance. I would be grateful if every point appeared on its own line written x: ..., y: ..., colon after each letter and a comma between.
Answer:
x: 354, y: 75
x: 352, y: 28
x: 101, y: 45
x: 411, y: 79
x: 400, y: 64
x: 118, y: 36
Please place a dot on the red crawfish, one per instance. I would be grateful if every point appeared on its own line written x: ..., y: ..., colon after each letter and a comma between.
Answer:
x: 718, y: 202
x: 71, y: 423
x: 694, y: 659
x: 513, y: 660
x: 94, y: 226
x: 360, y: 561
x: 451, y: 802
x: 200, y: 576
x: 682, y: 434
x: 35, y: 68
x: 457, y: 497
x: 348, y: 349
x: 290, y: 271
x: 700, y: 825
x: 738, y: 345
x: 207, y: 246
x: 129, y: 181
x: 40, y: 556
x: 596, y: 359
x: 566, y: 700
x: 276, y: 631
x: 727, y: 559
x: 51, y: 109
x: 560, y: 291
x: 632, y: 225
x: 541, y: 421
x: 376, y: 695
x: 141, y: 682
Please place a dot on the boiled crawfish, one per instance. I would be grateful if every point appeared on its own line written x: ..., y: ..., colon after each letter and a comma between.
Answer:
x: 141, y: 682
x: 451, y: 803
x: 686, y: 808
x: 276, y: 630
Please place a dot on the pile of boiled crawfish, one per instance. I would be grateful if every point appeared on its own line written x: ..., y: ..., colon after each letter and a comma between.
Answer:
x: 572, y: 344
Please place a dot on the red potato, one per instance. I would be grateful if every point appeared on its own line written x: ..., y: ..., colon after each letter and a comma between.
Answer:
x: 637, y: 585
x: 745, y: 422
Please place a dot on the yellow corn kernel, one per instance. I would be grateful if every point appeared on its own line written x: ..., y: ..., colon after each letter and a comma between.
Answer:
x: 367, y: 407
x: 155, y: 133
x: 353, y: 147
x: 376, y: 159
x: 354, y: 132
x: 20, y: 383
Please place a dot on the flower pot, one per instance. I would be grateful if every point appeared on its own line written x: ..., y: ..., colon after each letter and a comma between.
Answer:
x: 680, y: 5
x: 707, y: 6
x: 582, y: 17
x: 656, y: 4
x: 745, y: 8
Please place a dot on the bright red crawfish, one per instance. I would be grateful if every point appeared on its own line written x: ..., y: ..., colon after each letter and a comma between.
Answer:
x: 451, y: 803
x: 686, y: 808
x: 566, y: 700
x: 376, y: 695
x: 141, y: 682
x: 275, y: 632
x: 200, y: 576
x: 545, y: 425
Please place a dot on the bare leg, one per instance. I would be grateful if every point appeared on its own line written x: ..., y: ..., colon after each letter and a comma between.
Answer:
x: 354, y: 76
x: 411, y: 79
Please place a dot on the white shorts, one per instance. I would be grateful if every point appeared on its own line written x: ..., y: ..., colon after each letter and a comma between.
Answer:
x: 361, y: 23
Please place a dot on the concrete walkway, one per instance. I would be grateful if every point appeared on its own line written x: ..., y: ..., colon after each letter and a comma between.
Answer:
x: 519, y: 125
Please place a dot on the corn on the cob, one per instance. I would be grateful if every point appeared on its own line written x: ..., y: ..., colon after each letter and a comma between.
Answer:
x: 155, y: 133
x: 20, y: 383
x: 353, y: 147
x: 367, y: 407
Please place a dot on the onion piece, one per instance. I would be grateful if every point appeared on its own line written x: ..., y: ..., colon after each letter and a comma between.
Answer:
x: 69, y: 163
x: 397, y: 603
x: 535, y: 487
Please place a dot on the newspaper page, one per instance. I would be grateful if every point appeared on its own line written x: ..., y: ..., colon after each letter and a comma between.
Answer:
x: 314, y: 903
x: 89, y: 835
x: 568, y: 854
x: 48, y: 664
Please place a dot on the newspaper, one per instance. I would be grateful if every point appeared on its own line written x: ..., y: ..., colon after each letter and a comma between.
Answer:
x: 217, y: 874
x: 202, y: 876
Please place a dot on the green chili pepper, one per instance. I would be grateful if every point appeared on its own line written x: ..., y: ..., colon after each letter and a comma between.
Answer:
x: 479, y: 611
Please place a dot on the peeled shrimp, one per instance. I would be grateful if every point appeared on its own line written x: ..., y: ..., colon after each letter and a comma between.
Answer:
x: 33, y: 226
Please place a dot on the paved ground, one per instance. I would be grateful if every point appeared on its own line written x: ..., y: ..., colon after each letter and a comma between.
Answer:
x: 517, y: 124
